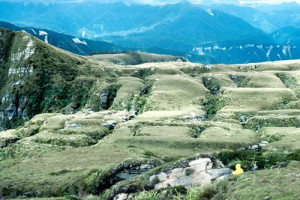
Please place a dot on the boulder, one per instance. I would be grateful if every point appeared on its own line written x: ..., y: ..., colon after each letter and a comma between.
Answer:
x: 198, y: 172
x: 110, y: 124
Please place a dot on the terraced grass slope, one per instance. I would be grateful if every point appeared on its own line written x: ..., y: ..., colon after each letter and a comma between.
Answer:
x: 95, y: 128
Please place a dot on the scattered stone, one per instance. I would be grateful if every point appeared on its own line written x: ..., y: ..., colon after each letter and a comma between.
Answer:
x: 87, y: 111
x: 257, y: 127
x: 111, y: 124
x: 73, y: 126
x: 263, y: 144
x: 254, y: 147
x: 202, y: 118
x: 244, y: 119
x: 69, y: 111
x: 132, y: 115
x: 122, y: 196
x: 104, y: 99
x: 197, y: 132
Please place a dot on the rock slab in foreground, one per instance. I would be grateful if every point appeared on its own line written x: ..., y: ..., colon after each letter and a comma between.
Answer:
x: 198, y: 172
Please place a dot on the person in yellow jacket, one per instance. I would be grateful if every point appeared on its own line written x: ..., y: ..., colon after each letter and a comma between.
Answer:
x: 238, y: 170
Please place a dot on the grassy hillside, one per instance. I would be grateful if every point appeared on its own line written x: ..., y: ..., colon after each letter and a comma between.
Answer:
x: 95, y: 130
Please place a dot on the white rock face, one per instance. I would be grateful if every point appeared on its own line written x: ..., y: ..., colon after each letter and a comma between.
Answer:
x: 26, y: 53
x: 123, y: 196
x: 199, y: 172
x: 43, y: 33
x: 29, y: 49
x: 78, y: 41
x: 210, y: 12
x: 22, y: 71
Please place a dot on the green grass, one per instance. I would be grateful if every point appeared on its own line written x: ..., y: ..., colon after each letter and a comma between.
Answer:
x: 130, y: 89
x: 273, y: 184
x: 282, y: 137
x: 257, y: 98
x: 260, y: 80
x: 175, y: 92
x: 134, y: 58
x: 182, y: 109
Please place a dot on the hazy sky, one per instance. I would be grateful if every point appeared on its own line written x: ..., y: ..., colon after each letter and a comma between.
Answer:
x: 166, y: 1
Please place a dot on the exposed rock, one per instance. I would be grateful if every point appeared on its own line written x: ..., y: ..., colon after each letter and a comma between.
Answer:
x: 122, y: 196
x: 254, y: 147
x: 244, y: 119
x: 110, y: 124
x: 7, y: 137
x: 11, y: 112
x: 257, y: 127
x: 197, y: 132
x: 69, y: 111
x: 104, y: 99
x: 134, y: 171
x: 263, y: 144
x: 217, y: 173
x: 198, y: 172
x: 129, y: 116
x: 132, y: 115
x: 4, y: 143
x: 73, y: 126
x: 128, y: 170
x: 87, y: 111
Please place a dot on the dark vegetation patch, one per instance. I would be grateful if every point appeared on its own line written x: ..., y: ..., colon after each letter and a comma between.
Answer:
x: 213, y: 104
x: 290, y: 82
x: 143, y: 73
x: 196, y: 70
x: 141, y: 100
x: 211, y: 85
x: 108, y: 96
x: 259, y: 122
x: 263, y: 159
x: 241, y: 81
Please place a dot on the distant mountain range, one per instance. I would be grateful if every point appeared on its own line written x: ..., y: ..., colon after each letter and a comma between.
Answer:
x: 70, y: 43
x: 214, y: 33
x: 266, y: 17
x: 287, y: 35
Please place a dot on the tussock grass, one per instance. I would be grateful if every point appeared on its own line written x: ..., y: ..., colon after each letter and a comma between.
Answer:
x: 274, y: 184
x: 287, y: 138
x: 175, y: 93
x: 135, y: 58
x: 257, y: 98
